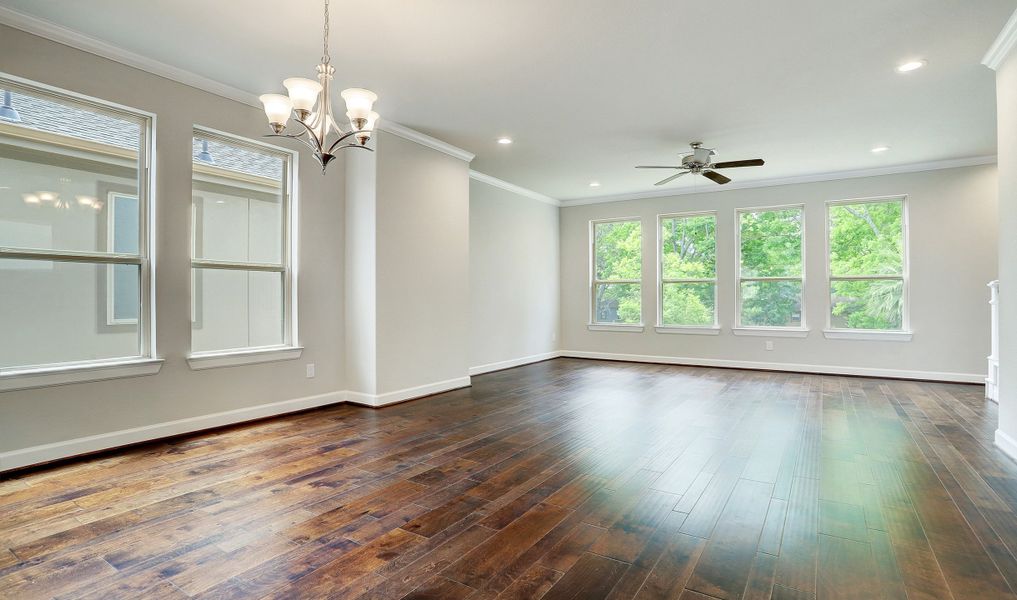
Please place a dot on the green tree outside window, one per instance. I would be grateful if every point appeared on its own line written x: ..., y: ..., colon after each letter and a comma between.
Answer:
x: 770, y: 267
x: 867, y: 265
x: 617, y: 272
x: 688, y: 270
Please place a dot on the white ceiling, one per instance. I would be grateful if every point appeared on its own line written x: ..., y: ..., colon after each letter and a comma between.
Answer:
x: 590, y: 88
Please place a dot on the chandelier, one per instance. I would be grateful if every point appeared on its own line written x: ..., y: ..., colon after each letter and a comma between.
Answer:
x: 310, y: 103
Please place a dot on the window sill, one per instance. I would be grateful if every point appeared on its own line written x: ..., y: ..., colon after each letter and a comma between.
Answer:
x: 879, y: 336
x: 687, y: 330
x: 23, y: 379
x: 786, y: 332
x: 610, y: 327
x: 232, y: 358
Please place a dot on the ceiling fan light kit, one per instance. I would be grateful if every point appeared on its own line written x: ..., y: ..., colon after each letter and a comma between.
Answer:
x: 310, y: 103
x: 700, y: 162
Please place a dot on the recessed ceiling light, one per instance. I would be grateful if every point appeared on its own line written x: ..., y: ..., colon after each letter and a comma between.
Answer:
x: 504, y: 141
x: 911, y: 66
x: 594, y: 184
x: 880, y: 149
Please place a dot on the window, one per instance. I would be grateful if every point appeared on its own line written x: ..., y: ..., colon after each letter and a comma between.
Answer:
x: 688, y: 270
x: 867, y: 264
x: 770, y: 275
x: 617, y: 272
x: 75, y: 284
x: 241, y: 271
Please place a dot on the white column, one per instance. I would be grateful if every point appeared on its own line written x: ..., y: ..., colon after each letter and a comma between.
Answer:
x: 992, y: 380
x: 1002, y: 57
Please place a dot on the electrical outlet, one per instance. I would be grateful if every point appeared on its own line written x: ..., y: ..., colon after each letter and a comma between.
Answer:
x: 310, y: 370
x: 769, y: 345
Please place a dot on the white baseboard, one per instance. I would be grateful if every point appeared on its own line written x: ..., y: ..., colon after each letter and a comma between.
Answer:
x: 378, y: 400
x: 35, y: 455
x: 1007, y: 444
x: 49, y: 452
x: 514, y: 362
x: 795, y: 368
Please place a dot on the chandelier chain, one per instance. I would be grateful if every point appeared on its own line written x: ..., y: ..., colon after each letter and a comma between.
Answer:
x: 324, y: 42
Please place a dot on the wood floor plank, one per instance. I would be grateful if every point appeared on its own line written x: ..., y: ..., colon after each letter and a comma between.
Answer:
x: 591, y: 578
x: 846, y: 570
x: 626, y: 538
x: 717, y: 483
x: 723, y: 569
x: 487, y: 559
x: 673, y: 569
x: 532, y: 585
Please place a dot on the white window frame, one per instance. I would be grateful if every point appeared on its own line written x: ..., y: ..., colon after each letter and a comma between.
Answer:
x: 290, y: 348
x: 145, y: 361
x: 110, y: 240
x: 592, y: 323
x: 904, y: 334
x: 713, y: 329
x: 770, y: 330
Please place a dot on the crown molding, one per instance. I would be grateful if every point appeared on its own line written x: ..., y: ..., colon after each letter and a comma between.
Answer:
x: 424, y: 140
x: 80, y: 41
x: 1003, y: 45
x: 74, y: 39
x: 511, y: 187
x: 763, y: 183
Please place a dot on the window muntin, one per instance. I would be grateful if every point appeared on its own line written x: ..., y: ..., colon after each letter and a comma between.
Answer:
x: 688, y: 270
x: 771, y: 267
x: 867, y: 264
x: 617, y: 272
x: 241, y: 279
x: 62, y: 274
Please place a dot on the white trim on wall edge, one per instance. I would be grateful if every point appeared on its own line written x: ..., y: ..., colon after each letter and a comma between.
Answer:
x: 513, y: 188
x: 1006, y: 443
x: 80, y: 373
x: 49, y: 452
x: 513, y: 362
x: 784, y: 332
x: 424, y: 140
x: 762, y: 183
x: 776, y: 366
x: 379, y: 400
x: 211, y: 360
x: 870, y: 335
x: 1005, y: 42
x: 75, y: 39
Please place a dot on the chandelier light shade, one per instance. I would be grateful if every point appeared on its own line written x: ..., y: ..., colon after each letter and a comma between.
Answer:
x: 309, y: 103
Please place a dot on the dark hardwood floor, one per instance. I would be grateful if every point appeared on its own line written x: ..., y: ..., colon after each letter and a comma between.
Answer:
x: 565, y: 479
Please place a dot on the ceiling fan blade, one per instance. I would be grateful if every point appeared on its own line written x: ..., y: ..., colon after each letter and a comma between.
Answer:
x: 716, y: 177
x: 655, y: 167
x: 755, y: 162
x: 671, y: 178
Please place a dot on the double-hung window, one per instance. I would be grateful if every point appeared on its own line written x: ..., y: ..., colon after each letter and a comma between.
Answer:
x: 770, y: 269
x: 75, y: 276
x: 867, y: 266
x: 617, y: 270
x: 242, y: 232
x: 688, y: 271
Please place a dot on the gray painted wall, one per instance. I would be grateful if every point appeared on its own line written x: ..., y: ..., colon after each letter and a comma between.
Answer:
x: 953, y: 237
x: 41, y: 416
x: 514, y: 277
x: 408, y: 223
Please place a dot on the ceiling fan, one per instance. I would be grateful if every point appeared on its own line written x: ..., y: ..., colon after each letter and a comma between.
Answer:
x: 700, y: 161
